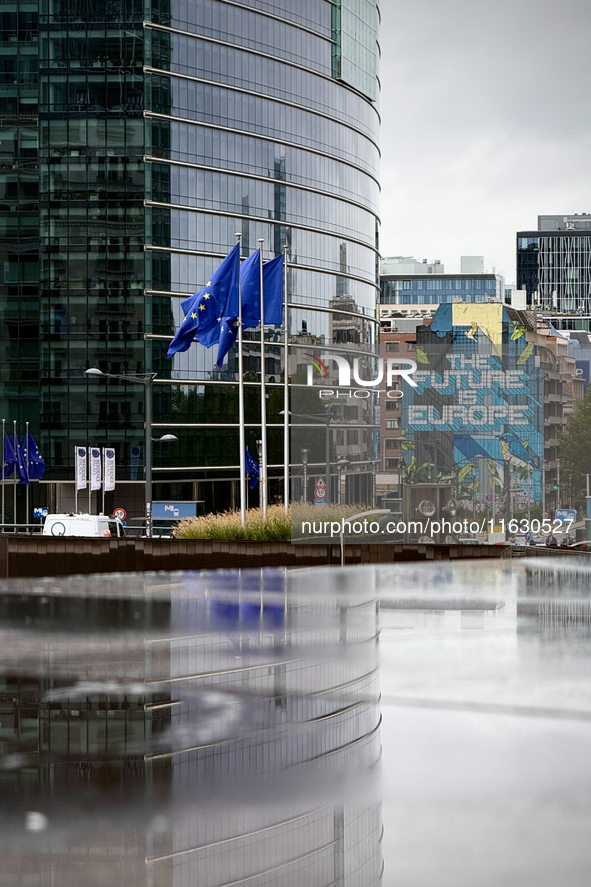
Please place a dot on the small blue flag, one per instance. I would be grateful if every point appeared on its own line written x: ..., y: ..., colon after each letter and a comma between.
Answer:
x: 10, y: 460
x: 204, y: 311
x: 252, y: 471
x: 21, y: 462
x: 33, y: 458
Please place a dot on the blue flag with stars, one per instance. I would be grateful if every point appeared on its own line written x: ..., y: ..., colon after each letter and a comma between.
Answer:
x: 204, y: 311
x: 33, y: 458
x: 10, y: 460
x: 23, y: 468
x: 250, y: 284
x: 252, y: 470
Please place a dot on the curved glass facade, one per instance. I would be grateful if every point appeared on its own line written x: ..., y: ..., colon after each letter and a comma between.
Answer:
x: 164, y: 127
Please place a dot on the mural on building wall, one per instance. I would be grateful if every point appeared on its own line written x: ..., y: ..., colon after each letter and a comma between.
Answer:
x: 476, y: 417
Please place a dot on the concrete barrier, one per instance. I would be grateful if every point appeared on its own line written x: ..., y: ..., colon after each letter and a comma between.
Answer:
x: 63, y: 556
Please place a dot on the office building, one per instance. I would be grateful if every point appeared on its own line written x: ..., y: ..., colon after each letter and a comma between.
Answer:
x: 495, y: 387
x: 410, y: 287
x: 554, y: 265
x: 136, y: 139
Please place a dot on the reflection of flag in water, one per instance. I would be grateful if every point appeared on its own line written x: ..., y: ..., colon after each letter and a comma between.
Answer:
x: 252, y: 471
x: 245, y: 602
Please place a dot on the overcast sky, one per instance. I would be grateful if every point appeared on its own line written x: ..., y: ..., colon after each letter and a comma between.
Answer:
x: 486, y: 123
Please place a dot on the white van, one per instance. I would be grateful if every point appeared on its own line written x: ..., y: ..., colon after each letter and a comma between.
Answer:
x: 94, y: 525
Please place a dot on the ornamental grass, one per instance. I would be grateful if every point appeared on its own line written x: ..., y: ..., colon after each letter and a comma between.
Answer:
x: 227, y: 526
x: 277, y: 527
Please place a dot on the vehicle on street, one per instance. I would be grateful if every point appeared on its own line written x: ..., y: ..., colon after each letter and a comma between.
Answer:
x: 87, y: 525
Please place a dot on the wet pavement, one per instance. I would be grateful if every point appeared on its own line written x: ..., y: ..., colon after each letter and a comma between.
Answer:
x: 226, y: 728
x: 486, y: 683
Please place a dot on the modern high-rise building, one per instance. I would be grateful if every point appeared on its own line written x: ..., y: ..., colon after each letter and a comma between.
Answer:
x: 411, y: 287
x: 554, y: 264
x: 136, y: 139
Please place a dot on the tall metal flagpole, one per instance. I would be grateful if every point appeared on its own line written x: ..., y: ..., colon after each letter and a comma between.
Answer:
x: 285, y: 390
x: 75, y: 480
x: 3, y: 467
x: 28, y: 486
x: 89, y: 463
x: 263, y: 469
x: 15, y: 472
x: 241, y: 435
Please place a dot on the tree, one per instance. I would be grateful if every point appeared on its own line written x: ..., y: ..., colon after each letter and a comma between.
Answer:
x: 575, y: 450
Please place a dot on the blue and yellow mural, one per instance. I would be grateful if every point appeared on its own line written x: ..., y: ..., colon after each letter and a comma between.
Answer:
x: 476, y: 417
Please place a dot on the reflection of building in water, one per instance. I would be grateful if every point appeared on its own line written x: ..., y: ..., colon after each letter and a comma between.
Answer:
x: 194, y: 731
x: 555, y: 603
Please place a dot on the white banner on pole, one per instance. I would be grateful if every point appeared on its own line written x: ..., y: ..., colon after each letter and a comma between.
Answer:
x: 95, y: 469
x: 80, y: 453
x: 109, y: 468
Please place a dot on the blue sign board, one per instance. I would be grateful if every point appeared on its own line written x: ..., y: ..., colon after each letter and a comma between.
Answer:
x: 566, y: 514
x: 40, y: 512
x: 173, y: 510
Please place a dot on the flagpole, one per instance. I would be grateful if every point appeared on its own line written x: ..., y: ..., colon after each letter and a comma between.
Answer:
x: 263, y: 477
x: 15, y: 471
x: 285, y: 390
x: 241, y: 434
x: 3, y: 466
x: 75, y: 480
x: 103, y: 480
x: 27, y: 488
x: 89, y: 463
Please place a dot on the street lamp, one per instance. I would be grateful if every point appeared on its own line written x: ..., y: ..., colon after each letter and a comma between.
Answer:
x: 341, y: 465
x: 304, y: 454
x: 325, y: 419
x: 147, y: 381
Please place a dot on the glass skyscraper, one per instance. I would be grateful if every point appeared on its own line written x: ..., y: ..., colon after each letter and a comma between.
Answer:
x: 136, y: 138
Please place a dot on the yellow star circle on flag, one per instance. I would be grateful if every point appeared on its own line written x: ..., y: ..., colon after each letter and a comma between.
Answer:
x: 193, y: 315
x: 202, y: 307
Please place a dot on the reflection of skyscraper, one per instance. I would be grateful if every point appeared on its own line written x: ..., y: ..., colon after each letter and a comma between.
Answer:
x: 203, y: 730
x: 135, y: 140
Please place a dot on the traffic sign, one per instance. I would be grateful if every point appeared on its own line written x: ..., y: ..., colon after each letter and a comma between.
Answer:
x: 40, y: 512
x: 120, y: 513
x: 566, y: 514
x: 320, y: 492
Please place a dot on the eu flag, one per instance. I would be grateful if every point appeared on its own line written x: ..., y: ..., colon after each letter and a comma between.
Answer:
x: 23, y: 470
x: 34, y: 459
x: 250, y: 285
x: 10, y: 460
x: 252, y: 471
x: 250, y: 281
x: 204, y: 310
x: 228, y: 333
